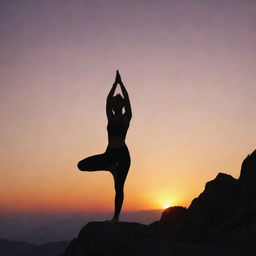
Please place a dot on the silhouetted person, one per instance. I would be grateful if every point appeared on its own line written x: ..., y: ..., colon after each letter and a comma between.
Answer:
x: 116, y: 158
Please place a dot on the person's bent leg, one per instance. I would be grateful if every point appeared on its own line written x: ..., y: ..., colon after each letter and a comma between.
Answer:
x: 93, y: 163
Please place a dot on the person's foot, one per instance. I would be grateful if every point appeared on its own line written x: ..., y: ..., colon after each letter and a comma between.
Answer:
x: 114, y: 220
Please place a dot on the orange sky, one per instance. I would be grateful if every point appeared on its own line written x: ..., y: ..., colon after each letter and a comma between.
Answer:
x: 190, y: 72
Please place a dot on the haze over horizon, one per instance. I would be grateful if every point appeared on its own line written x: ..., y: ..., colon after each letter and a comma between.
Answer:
x: 189, y: 68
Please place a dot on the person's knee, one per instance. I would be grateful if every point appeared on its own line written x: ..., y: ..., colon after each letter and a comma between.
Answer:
x: 81, y: 166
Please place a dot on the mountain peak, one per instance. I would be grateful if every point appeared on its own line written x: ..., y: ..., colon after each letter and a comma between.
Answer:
x: 248, y: 169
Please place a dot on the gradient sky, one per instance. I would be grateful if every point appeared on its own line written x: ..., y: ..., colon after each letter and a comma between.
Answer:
x: 189, y: 67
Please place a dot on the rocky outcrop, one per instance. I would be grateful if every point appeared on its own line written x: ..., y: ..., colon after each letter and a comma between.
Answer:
x: 132, y: 239
x: 170, y: 222
x: 221, y: 221
x: 116, y: 239
x: 225, y: 213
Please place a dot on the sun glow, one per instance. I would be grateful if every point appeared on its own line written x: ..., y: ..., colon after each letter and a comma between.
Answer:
x: 166, y: 206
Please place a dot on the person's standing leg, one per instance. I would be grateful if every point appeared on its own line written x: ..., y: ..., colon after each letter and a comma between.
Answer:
x: 119, y: 178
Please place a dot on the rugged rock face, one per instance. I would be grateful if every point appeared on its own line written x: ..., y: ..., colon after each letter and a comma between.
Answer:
x: 225, y: 213
x: 210, y: 209
x: 221, y: 221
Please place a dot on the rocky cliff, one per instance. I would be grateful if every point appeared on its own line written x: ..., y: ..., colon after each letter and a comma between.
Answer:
x: 220, y: 221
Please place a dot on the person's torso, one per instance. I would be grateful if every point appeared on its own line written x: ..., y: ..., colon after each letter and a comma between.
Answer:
x: 117, y: 130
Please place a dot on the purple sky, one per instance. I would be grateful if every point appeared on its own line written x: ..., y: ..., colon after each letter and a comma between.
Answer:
x: 189, y: 66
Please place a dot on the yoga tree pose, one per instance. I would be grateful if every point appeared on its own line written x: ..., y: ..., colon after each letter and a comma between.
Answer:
x: 116, y: 158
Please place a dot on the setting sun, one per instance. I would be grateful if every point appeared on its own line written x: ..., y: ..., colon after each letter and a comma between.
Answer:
x: 166, y: 206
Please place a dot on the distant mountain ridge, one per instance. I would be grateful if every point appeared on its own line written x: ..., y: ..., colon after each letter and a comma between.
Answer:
x: 57, y: 230
x: 13, y: 248
x: 56, y: 227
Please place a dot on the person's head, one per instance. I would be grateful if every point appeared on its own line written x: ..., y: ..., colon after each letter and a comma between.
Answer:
x: 117, y: 103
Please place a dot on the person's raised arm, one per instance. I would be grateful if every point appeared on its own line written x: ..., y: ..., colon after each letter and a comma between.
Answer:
x: 127, y: 104
x: 109, y: 98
